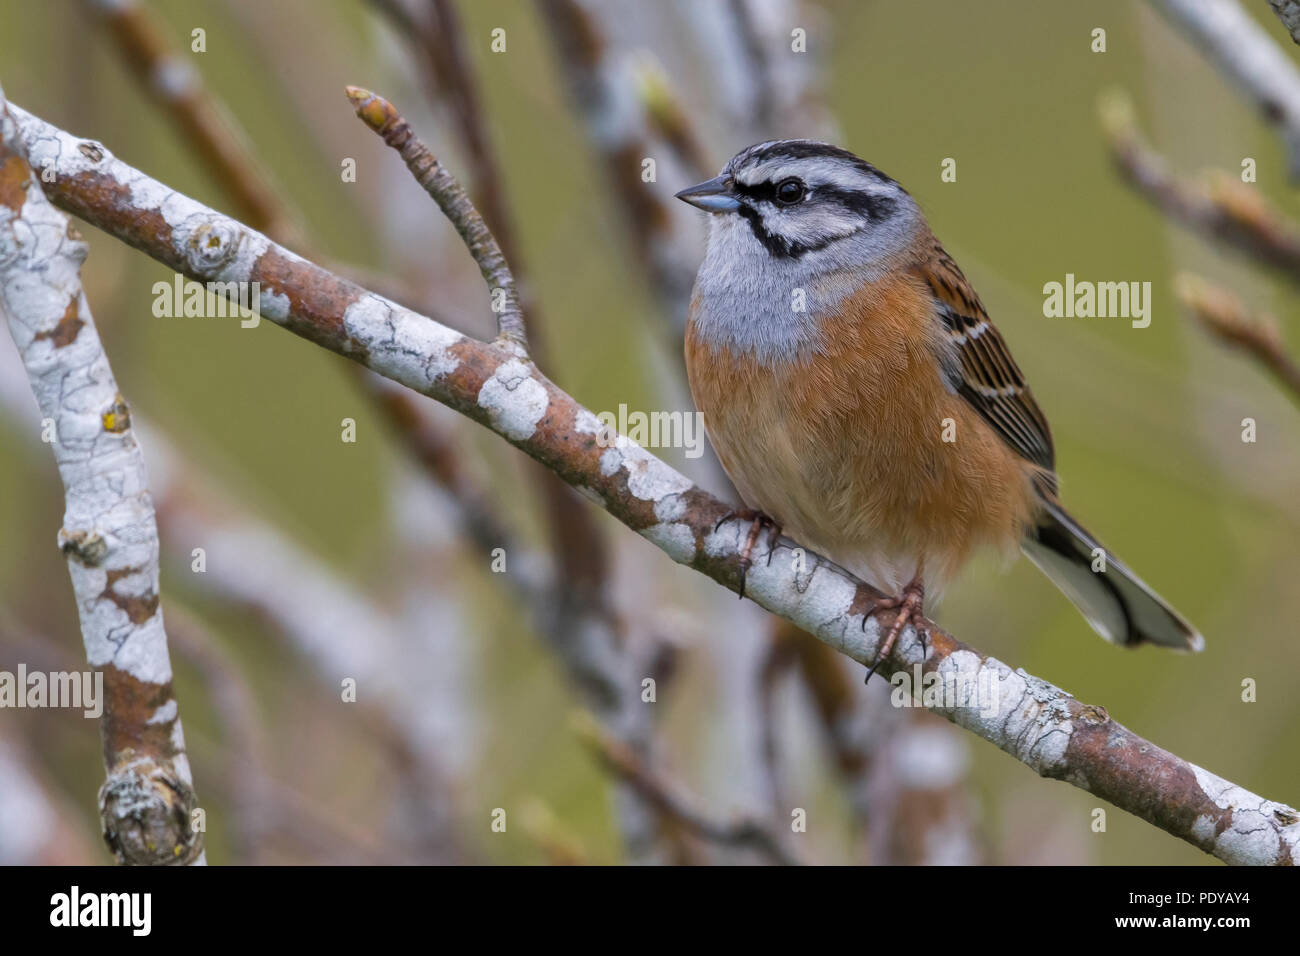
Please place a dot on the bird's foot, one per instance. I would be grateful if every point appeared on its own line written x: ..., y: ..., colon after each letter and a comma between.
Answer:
x: 757, y: 522
x: 910, y: 607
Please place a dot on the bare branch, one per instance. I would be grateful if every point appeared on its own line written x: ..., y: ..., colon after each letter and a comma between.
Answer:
x: 756, y: 59
x: 1247, y: 55
x: 380, y: 115
x: 109, y: 533
x: 1037, y: 723
x: 1226, y: 318
x: 605, y: 92
x: 1227, y: 211
x: 173, y: 84
x: 741, y: 833
x: 667, y: 117
x: 1288, y: 11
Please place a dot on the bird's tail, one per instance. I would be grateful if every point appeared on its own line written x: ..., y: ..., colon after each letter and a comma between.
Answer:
x: 1118, y: 605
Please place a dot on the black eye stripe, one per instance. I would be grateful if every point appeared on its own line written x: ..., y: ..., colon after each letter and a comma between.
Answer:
x: 777, y: 245
x: 759, y: 192
x: 872, y: 206
x: 868, y: 205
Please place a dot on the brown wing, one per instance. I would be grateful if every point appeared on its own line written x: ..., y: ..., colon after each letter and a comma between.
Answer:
x: 980, y: 368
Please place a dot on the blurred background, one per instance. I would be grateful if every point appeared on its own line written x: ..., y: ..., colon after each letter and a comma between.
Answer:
x: 327, y: 560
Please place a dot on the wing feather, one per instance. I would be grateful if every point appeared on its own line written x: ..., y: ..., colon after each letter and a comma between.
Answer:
x: 980, y: 368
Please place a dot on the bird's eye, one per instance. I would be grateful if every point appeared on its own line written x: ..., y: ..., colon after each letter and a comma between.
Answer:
x: 789, y: 192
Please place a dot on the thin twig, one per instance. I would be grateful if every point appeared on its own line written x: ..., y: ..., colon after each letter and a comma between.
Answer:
x: 573, y: 613
x: 1227, y: 211
x: 174, y: 85
x: 741, y: 833
x: 1247, y: 56
x: 1039, y: 724
x: 1226, y: 317
x: 380, y: 115
x: 439, y: 40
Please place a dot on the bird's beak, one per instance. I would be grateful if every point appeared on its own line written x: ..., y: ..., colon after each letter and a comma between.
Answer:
x: 713, y: 196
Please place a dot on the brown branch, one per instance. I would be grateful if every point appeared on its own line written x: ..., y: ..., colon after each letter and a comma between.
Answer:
x: 666, y: 796
x: 668, y: 119
x: 1225, y: 317
x: 1226, y: 211
x: 379, y: 114
x: 617, y: 125
x: 1037, y: 723
x: 172, y: 84
x: 217, y: 142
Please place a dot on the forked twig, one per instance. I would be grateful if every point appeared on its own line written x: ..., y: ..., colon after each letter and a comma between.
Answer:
x: 382, y: 117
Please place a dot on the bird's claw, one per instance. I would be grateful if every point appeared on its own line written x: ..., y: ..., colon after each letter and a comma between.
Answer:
x: 909, y: 606
x: 758, y: 519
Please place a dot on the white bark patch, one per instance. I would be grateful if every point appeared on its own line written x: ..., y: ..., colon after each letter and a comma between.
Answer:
x: 820, y: 600
x: 402, y: 345
x: 1252, y: 837
x: 670, y: 508
x: 274, y: 305
x: 109, y: 530
x: 514, y: 400
x: 167, y: 712
x: 1031, y: 719
x: 675, y: 539
x: 407, y: 347
x: 648, y: 478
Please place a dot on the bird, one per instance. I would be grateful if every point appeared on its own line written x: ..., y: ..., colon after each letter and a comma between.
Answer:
x: 861, y: 400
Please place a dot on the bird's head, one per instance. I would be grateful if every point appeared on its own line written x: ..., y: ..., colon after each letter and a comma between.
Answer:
x: 801, y: 200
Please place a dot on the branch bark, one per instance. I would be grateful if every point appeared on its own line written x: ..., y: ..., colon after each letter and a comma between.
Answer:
x: 1288, y: 11
x: 377, y: 113
x: 1247, y: 56
x: 1226, y: 210
x: 1037, y: 723
x: 109, y: 533
x: 1227, y: 319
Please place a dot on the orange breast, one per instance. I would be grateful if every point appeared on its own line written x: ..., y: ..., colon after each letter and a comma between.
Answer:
x: 846, y: 448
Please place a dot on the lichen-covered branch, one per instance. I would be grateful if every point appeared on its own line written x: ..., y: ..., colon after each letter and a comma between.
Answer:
x: 1037, y: 723
x: 1288, y: 11
x: 570, y: 611
x: 109, y: 534
x: 1247, y: 56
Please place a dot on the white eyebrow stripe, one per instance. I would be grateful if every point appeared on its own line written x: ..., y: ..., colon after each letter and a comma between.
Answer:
x: 815, y: 171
